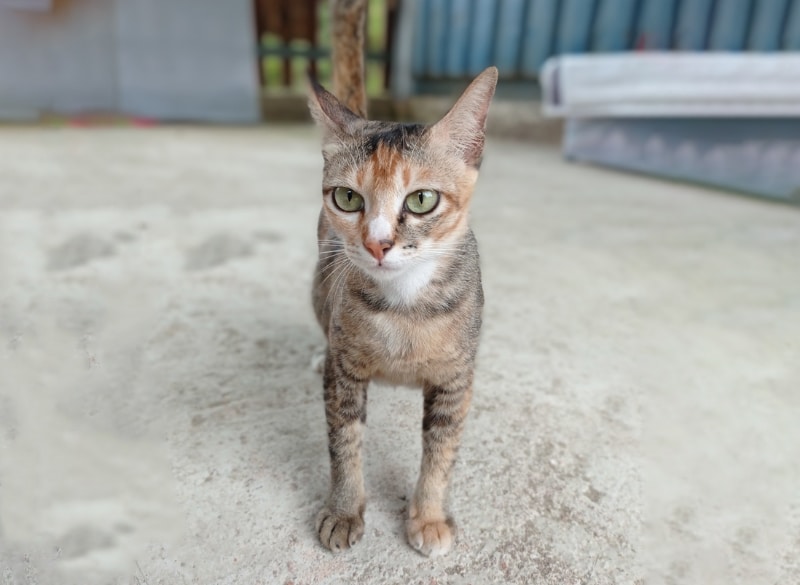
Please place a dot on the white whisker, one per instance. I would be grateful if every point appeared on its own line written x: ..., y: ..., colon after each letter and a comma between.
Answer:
x: 338, y: 282
x: 335, y: 267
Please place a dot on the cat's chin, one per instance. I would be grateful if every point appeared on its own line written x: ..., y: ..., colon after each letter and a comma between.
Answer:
x: 401, y: 274
x: 395, y: 270
x: 383, y: 271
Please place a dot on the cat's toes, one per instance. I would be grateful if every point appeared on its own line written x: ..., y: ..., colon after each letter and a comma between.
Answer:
x: 432, y: 538
x: 339, y: 532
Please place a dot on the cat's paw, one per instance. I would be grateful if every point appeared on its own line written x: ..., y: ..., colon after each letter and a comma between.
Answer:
x: 339, y: 532
x: 318, y: 361
x: 432, y: 538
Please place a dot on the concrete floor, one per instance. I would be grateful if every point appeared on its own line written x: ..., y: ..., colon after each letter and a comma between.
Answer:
x: 637, y: 397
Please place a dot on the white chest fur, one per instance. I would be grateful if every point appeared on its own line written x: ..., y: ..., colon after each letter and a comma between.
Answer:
x: 403, y: 290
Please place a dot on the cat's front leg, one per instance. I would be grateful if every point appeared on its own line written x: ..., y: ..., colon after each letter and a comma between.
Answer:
x: 429, y: 529
x: 340, y: 524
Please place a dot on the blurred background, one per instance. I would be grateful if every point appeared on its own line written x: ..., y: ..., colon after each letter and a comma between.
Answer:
x: 244, y: 62
x: 207, y: 60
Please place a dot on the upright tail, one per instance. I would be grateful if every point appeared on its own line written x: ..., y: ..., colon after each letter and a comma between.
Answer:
x: 349, y: 22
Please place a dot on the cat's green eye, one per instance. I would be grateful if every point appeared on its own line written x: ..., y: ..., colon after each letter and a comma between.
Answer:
x: 422, y: 201
x: 347, y: 199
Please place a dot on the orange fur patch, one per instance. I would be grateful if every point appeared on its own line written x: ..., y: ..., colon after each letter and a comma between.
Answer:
x: 385, y: 161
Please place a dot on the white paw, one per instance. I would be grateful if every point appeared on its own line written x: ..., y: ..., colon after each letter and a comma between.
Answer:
x: 318, y: 361
x: 433, y: 538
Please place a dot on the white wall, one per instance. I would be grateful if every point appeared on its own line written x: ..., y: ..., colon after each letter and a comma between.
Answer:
x: 166, y: 59
x: 58, y: 60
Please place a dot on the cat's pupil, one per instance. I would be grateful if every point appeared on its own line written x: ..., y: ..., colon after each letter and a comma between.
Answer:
x: 420, y: 197
x: 349, y: 195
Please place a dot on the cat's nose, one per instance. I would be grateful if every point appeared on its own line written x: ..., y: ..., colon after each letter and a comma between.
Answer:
x: 378, y: 248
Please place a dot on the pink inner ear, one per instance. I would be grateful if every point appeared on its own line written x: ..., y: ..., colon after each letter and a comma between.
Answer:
x: 464, y: 125
x: 330, y: 113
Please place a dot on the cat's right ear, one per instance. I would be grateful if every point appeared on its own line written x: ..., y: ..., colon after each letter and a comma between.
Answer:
x: 336, y: 121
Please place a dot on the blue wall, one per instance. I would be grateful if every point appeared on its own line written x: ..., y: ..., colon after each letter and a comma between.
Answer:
x: 454, y: 39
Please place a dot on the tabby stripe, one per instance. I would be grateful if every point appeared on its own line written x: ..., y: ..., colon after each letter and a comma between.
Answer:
x: 449, y: 305
x: 379, y: 305
x: 346, y: 405
x: 436, y: 419
x: 350, y: 409
x: 461, y: 382
x: 426, y: 227
x: 341, y: 449
x: 364, y: 405
x: 349, y: 377
x: 442, y: 415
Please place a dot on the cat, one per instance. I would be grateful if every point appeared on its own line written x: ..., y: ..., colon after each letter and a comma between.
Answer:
x: 397, y: 287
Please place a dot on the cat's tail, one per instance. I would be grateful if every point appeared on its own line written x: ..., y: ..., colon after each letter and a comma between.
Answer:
x: 349, y: 21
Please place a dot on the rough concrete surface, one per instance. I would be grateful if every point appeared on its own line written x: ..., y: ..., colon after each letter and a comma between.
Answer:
x: 637, y: 397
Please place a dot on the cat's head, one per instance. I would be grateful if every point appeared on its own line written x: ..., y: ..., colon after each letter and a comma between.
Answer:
x: 397, y: 195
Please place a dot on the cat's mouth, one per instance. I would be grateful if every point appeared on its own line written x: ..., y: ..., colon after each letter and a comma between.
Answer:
x: 388, y: 267
x: 380, y: 267
x: 384, y: 267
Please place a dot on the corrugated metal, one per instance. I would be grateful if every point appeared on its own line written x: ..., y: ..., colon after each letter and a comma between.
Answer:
x: 457, y: 57
x: 694, y: 20
x: 616, y: 24
x: 510, y: 20
x: 540, y: 36
x: 482, y: 27
x: 769, y: 17
x: 730, y: 25
x: 456, y: 38
x: 575, y: 27
x: 654, y: 22
x: 791, y: 35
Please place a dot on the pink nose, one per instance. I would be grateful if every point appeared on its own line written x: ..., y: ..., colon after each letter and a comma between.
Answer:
x: 378, y: 248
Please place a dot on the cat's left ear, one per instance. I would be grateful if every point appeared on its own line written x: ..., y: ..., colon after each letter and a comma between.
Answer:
x: 336, y: 120
x: 464, y: 126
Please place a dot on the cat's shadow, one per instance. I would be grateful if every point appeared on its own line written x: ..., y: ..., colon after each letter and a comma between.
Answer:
x: 261, y: 406
x: 253, y: 404
x: 289, y: 433
x: 392, y: 451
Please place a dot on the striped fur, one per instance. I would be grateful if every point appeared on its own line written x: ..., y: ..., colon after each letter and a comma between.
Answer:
x: 349, y: 21
x: 409, y: 315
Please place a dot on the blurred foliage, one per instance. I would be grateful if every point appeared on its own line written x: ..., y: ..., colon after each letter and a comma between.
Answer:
x: 376, y: 42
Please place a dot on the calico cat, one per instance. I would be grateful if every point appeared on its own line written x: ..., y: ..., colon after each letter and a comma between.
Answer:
x: 397, y: 288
